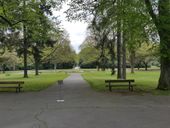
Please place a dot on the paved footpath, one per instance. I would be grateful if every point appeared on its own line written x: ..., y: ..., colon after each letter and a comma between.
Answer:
x: 83, y: 108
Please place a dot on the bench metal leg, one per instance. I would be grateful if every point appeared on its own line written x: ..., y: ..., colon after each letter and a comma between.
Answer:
x: 19, y: 88
x: 131, y: 88
x: 110, y: 87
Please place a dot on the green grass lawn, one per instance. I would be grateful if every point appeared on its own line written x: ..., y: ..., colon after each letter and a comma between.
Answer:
x: 146, y: 81
x: 34, y: 83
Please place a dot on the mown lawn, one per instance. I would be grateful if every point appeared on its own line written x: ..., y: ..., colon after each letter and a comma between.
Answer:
x: 34, y: 83
x: 146, y: 81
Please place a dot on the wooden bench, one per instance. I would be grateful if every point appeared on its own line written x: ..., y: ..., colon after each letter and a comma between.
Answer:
x: 12, y: 84
x: 118, y: 83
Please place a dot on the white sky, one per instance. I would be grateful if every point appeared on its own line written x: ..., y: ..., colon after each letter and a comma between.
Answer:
x: 76, y: 29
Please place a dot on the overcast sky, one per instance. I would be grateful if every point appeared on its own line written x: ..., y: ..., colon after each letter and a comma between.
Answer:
x: 76, y: 30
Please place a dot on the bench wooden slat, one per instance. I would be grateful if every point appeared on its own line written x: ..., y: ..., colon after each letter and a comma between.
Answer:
x: 11, y: 82
x: 10, y: 87
x: 108, y: 81
x: 119, y: 85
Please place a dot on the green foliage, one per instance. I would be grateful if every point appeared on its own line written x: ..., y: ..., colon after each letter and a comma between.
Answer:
x: 61, y: 52
x: 26, y: 25
x: 93, y: 54
x: 88, y: 55
x: 146, y: 54
x: 10, y: 59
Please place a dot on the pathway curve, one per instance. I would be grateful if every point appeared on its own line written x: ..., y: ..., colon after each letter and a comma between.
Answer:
x: 83, y: 108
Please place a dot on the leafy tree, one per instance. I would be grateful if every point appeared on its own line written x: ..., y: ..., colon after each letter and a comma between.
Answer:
x: 9, y: 59
x: 160, y: 14
x: 145, y: 54
x: 61, y: 53
x: 41, y: 36
x: 23, y: 14
x: 88, y: 57
x: 104, y: 41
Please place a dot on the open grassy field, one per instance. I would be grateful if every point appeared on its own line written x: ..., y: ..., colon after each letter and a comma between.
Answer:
x: 34, y: 83
x: 146, y: 81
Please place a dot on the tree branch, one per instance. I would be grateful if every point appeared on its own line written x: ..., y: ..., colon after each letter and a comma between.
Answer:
x: 46, y: 57
x: 151, y: 12
x: 6, y: 20
x: 114, y: 1
x: 9, y: 23
x: 17, y: 22
x: 3, y: 8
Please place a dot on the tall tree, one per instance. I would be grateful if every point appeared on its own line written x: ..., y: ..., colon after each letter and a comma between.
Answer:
x: 25, y: 13
x: 159, y: 11
x: 40, y: 36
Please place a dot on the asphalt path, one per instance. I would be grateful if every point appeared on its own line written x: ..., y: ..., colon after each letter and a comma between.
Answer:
x: 82, y: 108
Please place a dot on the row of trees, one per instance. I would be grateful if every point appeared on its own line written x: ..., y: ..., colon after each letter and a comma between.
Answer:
x: 28, y: 27
x: 60, y: 55
x: 125, y: 25
x: 90, y: 57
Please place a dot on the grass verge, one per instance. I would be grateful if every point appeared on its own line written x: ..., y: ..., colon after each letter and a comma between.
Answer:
x: 146, y: 81
x: 34, y: 83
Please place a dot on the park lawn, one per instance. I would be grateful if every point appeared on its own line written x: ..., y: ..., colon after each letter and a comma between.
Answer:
x: 34, y: 83
x: 146, y: 81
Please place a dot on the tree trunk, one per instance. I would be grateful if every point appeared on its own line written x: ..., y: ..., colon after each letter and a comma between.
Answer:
x: 36, y: 67
x: 164, y: 33
x: 164, y: 80
x: 119, y: 43
x: 112, y: 59
x: 113, y: 66
x: 55, y: 67
x: 162, y: 22
x: 36, y: 55
x: 146, y: 66
x: 103, y: 58
x: 25, y: 52
x: 138, y: 67
x: 98, y: 68
x: 14, y: 67
x: 124, y: 56
x: 103, y: 69
x: 119, y: 52
x: 132, y: 61
x: 3, y: 68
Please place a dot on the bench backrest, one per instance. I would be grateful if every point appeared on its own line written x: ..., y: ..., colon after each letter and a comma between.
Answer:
x: 11, y: 82
x: 110, y: 81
